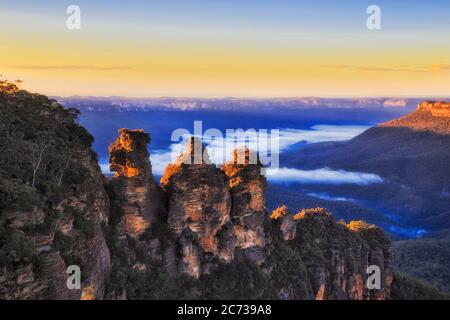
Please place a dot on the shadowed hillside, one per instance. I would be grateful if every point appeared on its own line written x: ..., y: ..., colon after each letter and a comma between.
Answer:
x: 411, y: 154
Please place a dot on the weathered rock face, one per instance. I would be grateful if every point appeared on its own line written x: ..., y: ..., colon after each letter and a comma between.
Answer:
x: 218, y: 216
x: 288, y: 226
x: 133, y: 183
x: 137, y: 206
x: 199, y: 207
x: 336, y: 256
x: 95, y: 255
x: 54, y: 221
x: 247, y: 187
x: 437, y: 109
x: 75, y: 238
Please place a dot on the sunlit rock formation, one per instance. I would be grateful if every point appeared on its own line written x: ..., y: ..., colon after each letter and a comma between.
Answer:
x: 199, y: 207
x: 247, y: 187
x: 336, y: 256
x: 205, y: 234
x: 437, y: 109
x: 288, y: 225
x: 430, y: 116
x: 133, y: 182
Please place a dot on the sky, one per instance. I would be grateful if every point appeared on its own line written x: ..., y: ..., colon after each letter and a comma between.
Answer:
x: 223, y: 48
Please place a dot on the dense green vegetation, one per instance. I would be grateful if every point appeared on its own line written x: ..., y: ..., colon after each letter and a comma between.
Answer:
x: 407, y: 288
x: 39, y: 138
x: 39, y: 141
x: 294, y: 197
x: 413, y: 164
x: 426, y: 259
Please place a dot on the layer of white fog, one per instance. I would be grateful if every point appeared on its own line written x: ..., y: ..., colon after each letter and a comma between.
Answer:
x: 220, y: 150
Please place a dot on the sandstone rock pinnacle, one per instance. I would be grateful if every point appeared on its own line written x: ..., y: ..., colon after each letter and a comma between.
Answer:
x: 133, y: 182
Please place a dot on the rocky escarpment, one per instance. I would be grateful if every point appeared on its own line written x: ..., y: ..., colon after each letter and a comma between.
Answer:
x: 217, y: 214
x: 205, y: 234
x: 137, y: 207
x: 219, y: 226
x: 437, y: 109
x: 52, y: 201
x: 335, y: 256
x: 430, y: 116
x: 410, y: 154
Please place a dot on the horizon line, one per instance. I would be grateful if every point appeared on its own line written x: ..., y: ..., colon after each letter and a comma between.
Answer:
x: 254, y: 98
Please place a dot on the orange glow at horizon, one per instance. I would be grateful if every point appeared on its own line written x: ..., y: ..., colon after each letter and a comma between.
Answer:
x: 124, y: 60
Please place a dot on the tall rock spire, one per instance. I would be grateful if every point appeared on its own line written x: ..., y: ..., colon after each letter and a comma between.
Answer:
x: 133, y: 181
x: 199, y: 206
x: 247, y: 187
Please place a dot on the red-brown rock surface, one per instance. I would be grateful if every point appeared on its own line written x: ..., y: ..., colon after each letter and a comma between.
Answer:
x: 133, y: 182
x: 247, y: 187
x: 199, y: 207
x: 429, y: 116
x: 437, y: 109
x: 216, y: 214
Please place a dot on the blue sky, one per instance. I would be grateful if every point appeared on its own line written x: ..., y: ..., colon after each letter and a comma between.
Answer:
x: 398, y: 14
x: 220, y: 48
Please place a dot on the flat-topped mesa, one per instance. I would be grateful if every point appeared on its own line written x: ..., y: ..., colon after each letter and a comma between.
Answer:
x: 133, y: 182
x: 247, y: 187
x: 430, y: 116
x: 199, y: 207
x: 436, y: 108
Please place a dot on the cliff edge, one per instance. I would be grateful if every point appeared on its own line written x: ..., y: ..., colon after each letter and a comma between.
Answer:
x: 52, y: 201
x: 204, y: 233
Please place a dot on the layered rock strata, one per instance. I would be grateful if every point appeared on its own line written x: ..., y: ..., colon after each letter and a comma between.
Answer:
x: 133, y: 183
x: 67, y: 233
x: 198, y: 208
x: 336, y: 256
x: 247, y: 187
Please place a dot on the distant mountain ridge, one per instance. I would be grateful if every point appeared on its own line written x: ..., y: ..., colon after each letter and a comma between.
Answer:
x: 411, y: 153
x: 168, y: 103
